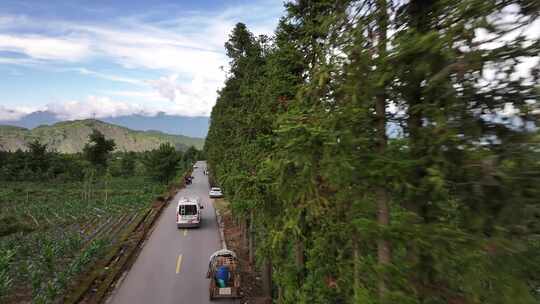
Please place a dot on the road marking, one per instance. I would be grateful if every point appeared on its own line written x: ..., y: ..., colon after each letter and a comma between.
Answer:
x: 178, y: 263
x: 185, y: 232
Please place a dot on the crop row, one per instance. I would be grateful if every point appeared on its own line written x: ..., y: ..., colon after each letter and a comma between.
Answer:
x: 59, y: 231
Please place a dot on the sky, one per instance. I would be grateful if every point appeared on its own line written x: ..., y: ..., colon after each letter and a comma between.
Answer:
x: 102, y: 58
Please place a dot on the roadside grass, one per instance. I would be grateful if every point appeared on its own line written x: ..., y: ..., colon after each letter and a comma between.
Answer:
x: 222, y: 206
x: 52, y: 232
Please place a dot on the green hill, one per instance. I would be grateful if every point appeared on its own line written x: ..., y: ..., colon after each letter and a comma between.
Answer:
x: 70, y: 137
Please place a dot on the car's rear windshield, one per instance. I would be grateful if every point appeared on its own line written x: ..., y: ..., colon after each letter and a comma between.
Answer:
x: 216, y: 189
x: 187, y: 209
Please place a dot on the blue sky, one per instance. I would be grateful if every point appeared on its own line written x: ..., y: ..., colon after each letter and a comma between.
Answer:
x: 102, y: 58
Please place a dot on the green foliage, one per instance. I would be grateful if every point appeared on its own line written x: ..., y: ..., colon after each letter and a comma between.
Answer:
x: 192, y: 155
x: 124, y: 164
x: 127, y: 164
x: 37, y: 163
x: 295, y: 141
x: 6, y: 257
x: 162, y: 164
x: 98, y: 149
x: 39, y: 160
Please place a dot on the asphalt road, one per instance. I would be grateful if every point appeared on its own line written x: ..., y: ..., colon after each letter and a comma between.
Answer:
x: 172, y: 265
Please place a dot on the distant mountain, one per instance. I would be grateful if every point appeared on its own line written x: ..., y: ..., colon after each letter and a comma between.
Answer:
x: 33, y: 120
x: 171, y: 124
x: 70, y: 137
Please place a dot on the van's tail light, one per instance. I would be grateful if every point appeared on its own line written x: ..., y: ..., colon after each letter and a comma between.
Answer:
x: 177, y: 217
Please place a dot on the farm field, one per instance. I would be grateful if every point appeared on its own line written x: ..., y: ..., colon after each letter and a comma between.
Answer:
x: 52, y: 232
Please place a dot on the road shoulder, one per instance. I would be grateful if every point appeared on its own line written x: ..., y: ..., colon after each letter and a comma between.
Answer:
x: 232, y: 231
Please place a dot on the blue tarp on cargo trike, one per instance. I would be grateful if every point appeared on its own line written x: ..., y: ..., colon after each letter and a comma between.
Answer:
x: 224, y: 275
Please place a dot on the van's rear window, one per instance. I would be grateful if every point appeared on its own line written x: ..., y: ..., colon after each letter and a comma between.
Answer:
x: 187, y: 210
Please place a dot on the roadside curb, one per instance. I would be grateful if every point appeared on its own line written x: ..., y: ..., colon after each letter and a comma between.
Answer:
x: 220, y: 228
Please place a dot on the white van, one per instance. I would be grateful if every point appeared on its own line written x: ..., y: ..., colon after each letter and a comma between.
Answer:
x: 188, y: 213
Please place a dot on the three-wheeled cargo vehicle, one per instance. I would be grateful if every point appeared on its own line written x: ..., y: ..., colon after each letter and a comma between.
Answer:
x: 224, y: 275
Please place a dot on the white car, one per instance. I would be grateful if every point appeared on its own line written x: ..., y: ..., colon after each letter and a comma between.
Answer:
x: 215, y: 192
x: 188, y: 213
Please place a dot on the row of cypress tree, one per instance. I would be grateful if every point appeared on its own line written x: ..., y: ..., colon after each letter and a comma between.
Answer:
x: 385, y: 151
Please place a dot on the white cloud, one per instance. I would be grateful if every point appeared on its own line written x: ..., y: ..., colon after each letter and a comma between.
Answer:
x: 167, y: 86
x: 191, y: 102
x: 192, y: 99
x: 96, y: 107
x: 20, y: 61
x: 148, y: 95
x: 187, y: 50
x: 117, y: 78
x: 46, y: 48
x: 165, y: 57
x: 14, y: 113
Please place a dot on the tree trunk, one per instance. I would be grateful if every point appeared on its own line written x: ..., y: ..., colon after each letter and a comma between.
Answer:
x: 356, y: 267
x: 419, y: 18
x: 383, y: 245
x: 251, y: 239
x: 299, y: 250
x: 106, y: 194
x: 267, y: 278
x: 245, y: 237
x: 383, y: 209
